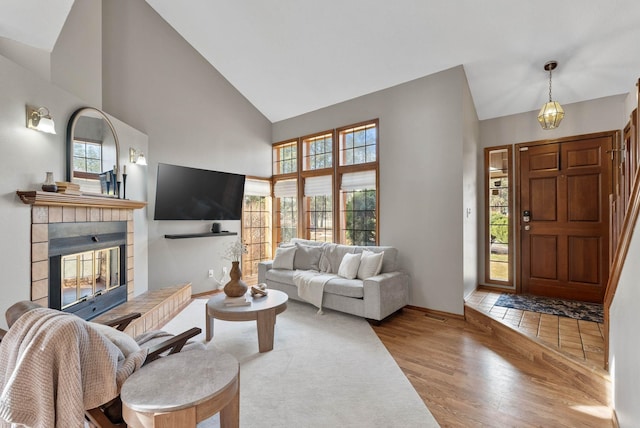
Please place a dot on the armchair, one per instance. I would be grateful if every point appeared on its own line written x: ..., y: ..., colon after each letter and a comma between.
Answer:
x: 59, y: 369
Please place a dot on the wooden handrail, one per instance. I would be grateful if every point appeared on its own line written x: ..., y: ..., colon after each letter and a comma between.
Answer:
x: 622, y: 248
x: 630, y: 220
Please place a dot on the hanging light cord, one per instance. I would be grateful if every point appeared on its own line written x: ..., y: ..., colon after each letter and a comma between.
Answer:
x: 549, y: 84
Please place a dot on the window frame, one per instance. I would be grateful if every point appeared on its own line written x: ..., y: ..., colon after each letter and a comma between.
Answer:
x: 337, y: 170
x: 487, y: 225
x: 251, y: 277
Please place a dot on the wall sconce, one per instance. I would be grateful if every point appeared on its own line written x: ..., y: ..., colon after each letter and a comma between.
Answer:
x: 136, y: 157
x: 40, y: 120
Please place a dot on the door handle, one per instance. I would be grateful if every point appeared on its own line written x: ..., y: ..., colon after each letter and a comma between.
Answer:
x: 526, y: 216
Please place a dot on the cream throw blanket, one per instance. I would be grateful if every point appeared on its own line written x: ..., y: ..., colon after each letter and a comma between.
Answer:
x: 54, y: 365
x: 311, y: 284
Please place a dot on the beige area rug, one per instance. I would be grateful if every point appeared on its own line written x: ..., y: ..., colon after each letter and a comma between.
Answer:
x: 326, y: 370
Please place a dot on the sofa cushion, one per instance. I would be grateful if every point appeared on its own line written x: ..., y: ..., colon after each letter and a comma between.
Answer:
x: 284, y: 258
x: 284, y: 276
x: 349, y: 266
x: 345, y: 287
x: 389, y: 262
x: 307, y: 257
x: 332, y: 255
x: 370, y: 264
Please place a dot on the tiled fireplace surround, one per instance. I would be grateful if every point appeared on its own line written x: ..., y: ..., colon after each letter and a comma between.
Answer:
x: 156, y: 306
x: 41, y: 216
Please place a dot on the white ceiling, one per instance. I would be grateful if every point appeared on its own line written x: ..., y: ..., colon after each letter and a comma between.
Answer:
x: 289, y: 57
x: 36, y: 23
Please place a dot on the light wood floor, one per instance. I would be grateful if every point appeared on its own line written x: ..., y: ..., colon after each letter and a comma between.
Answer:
x: 468, y: 378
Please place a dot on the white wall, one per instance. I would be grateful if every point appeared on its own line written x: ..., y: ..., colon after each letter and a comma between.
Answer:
x: 136, y: 189
x: 471, y: 140
x: 421, y: 177
x: 624, y: 343
x: 76, y: 59
x: 154, y: 80
x: 603, y: 114
x: 624, y: 324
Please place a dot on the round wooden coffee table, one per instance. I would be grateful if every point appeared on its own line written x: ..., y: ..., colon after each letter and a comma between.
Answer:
x: 183, y: 389
x: 262, y: 309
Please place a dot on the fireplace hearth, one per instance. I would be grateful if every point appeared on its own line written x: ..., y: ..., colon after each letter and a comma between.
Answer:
x: 87, y: 267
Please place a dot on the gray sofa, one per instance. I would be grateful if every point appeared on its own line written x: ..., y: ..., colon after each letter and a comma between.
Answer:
x: 373, y: 298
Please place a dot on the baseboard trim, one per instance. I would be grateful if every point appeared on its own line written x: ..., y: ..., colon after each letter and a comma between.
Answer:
x: 496, y: 289
x: 432, y: 313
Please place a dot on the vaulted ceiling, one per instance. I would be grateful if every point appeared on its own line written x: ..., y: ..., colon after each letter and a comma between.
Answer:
x: 289, y: 57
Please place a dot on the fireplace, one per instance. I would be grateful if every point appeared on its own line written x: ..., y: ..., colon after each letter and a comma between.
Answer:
x: 87, y: 267
x: 75, y: 222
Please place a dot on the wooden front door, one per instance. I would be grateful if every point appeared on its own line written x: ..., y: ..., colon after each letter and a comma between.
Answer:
x: 564, y: 192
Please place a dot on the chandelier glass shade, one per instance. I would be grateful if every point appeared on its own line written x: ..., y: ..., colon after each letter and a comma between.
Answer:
x: 551, y: 113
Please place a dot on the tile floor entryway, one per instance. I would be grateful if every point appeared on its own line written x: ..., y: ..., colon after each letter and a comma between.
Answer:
x: 583, y: 340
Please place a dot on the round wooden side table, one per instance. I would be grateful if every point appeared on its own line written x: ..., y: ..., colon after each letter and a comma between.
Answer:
x: 183, y: 389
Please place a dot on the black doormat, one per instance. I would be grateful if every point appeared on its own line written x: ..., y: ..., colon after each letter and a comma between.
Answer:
x: 547, y: 305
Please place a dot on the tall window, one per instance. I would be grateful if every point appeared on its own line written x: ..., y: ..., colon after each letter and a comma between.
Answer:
x: 499, y: 246
x: 337, y: 182
x: 256, y: 227
x: 358, y: 208
x: 318, y: 208
x: 286, y: 210
x: 285, y: 191
x: 317, y: 176
x: 358, y: 172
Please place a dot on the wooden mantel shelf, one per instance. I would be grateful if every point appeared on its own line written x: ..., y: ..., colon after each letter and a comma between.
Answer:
x: 33, y: 197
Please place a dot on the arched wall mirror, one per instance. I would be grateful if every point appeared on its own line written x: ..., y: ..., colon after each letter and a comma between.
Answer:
x: 93, y: 151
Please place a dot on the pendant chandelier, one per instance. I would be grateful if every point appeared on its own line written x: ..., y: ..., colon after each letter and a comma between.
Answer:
x: 551, y: 113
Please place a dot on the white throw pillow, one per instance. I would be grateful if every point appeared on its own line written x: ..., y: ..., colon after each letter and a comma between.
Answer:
x: 349, y: 265
x: 284, y: 258
x: 370, y: 264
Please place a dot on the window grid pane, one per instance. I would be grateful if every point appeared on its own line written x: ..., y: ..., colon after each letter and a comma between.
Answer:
x: 358, y: 145
x: 358, y: 217
x: 87, y: 157
x: 319, y: 218
x: 285, y: 158
x: 256, y: 234
x: 318, y: 152
x: 287, y: 216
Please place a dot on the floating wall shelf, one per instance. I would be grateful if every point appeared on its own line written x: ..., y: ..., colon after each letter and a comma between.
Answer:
x: 199, y: 235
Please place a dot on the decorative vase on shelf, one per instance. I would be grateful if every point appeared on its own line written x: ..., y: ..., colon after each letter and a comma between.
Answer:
x: 49, y: 184
x: 236, y: 287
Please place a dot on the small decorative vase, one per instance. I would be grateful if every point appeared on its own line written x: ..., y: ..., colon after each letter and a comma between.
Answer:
x: 236, y: 287
x: 49, y: 184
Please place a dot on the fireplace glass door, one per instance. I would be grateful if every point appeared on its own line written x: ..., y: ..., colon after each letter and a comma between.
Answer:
x: 89, y: 273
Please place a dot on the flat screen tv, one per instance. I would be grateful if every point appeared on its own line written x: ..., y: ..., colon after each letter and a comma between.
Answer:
x: 184, y: 193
